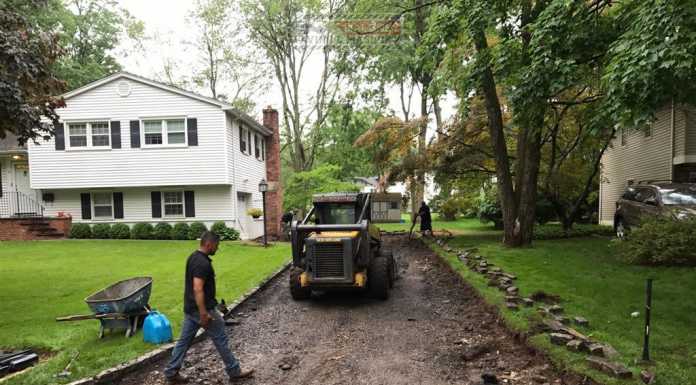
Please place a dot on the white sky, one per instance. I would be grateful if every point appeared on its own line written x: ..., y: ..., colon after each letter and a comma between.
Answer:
x: 167, y: 20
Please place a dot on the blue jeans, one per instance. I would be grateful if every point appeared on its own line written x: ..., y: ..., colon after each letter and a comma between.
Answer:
x: 216, y: 331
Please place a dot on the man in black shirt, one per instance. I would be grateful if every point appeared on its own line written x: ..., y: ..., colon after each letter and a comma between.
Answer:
x: 200, y: 312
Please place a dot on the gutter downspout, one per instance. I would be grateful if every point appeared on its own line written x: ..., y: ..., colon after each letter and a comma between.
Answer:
x: 671, y: 145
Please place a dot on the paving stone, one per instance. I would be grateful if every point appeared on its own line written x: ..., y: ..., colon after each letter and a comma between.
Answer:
x: 512, y: 298
x: 556, y: 309
x: 554, y: 325
x: 497, y: 270
x: 513, y: 290
x: 483, y: 264
x: 538, y: 378
x: 576, y: 345
x: 602, y: 350
x: 562, y: 319
x: 580, y: 321
x: 613, y: 369
x: 482, y: 270
x: 512, y: 306
x: 528, y: 302
x: 492, y: 283
x: 560, y: 338
x: 576, y: 334
x: 647, y: 376
x: 510, y: 276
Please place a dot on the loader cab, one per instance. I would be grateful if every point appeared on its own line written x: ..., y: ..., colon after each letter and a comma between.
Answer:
x: 340, y: 209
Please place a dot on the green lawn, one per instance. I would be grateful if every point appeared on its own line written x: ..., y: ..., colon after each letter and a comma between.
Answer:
x: 594, y: 284
x: 45, y: 279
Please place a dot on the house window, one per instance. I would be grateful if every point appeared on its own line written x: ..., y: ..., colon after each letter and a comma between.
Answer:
x: 647, y: 130
x: 242, y: 140
x: 100, y: 134
x: 78, y: 134
x: 176, y: 131
x: 257, y: 146
x: 394, y: 205
x: 102, y: 205
x: 173, y: 203
x: 248, y: 135
x: 89, y: 134
x: 153, y: 132
x: 163, y: 132
x: 263, y: 148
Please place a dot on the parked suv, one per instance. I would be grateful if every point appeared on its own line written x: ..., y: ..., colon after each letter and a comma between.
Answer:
x: 671, y: 200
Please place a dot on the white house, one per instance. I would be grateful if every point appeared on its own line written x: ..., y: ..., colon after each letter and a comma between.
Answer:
x: 130, y: 149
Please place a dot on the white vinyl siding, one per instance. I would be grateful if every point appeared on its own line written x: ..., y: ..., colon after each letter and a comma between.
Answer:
x: 213, y: 203
x: 132, y: 167
x: 641, y: 158
x: 245, y: 171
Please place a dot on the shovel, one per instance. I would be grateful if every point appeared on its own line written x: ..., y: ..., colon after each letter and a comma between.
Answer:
x: 66, y: 372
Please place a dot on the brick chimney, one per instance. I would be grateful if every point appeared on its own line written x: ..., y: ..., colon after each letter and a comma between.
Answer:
x: 274, y: 196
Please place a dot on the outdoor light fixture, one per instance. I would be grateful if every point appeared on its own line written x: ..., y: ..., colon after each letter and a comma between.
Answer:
x: 263, y: 187
x: 17, y: 157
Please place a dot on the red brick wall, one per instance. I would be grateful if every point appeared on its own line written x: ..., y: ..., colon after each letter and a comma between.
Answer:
x: 11, y: 229
x: 274, y: 197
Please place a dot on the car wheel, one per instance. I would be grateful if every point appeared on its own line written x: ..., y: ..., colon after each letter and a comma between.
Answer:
x: 621, y: 229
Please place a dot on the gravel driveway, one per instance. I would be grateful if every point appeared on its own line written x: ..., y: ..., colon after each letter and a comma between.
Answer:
x: 434, y: 329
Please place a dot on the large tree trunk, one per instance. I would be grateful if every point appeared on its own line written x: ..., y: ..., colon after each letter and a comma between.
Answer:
x: 506, y: 192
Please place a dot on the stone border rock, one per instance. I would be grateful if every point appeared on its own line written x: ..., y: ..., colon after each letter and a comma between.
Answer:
x: 111, y: 375
x: 558, y: 332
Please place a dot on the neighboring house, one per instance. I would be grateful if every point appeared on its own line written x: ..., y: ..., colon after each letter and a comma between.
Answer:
x: 370, y: 184
x: 133, y: 150
x: 665, y: 150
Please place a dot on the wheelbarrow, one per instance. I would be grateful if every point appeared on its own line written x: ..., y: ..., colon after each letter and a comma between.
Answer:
x: 122, y: 305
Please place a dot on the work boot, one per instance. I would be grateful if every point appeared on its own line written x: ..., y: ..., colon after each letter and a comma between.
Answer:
x: 243, y: 374
x: 176, y: 379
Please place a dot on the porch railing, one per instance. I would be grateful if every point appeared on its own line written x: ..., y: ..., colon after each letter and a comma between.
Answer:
x: 16, y: 204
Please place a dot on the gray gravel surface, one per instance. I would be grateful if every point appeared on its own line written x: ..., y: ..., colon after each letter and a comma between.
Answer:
x: 434, y: 329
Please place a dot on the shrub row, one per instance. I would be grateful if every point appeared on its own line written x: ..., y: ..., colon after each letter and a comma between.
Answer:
x: 660, y: 241
x: 555, y: 231
x: 161, y: 230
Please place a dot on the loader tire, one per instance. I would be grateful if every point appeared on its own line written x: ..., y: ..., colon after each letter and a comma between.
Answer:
x: 392, y: 265
x: 378, y: 278
x: 298, y: 292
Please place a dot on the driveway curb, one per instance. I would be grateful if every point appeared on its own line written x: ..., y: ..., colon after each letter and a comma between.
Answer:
x: 112, y: 374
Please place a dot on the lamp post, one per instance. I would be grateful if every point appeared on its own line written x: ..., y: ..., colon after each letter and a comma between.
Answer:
x: 263, y: 187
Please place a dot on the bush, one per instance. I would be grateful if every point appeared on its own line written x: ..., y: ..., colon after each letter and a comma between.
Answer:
x: 555, y: 231
x: 544, y: 212
x: 489, y: 207
x: 181, y: 231
x: 660, y: 241
x: 196, y: 229
x: 450, y: 208
x: 225, y: 233
x: 120, y: 231
x: 142, y: 231
x: 80, y: 231
x: 162, y: 231
x: 101, y: 231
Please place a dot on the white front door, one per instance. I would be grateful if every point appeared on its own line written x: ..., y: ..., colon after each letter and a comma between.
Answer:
x: 21, y: 178
x: 242, y: 216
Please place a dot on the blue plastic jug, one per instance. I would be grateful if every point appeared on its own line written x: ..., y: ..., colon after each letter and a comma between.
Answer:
x: 157, y: 329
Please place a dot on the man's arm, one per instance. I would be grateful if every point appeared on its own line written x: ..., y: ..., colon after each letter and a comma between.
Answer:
x: 199, y: 296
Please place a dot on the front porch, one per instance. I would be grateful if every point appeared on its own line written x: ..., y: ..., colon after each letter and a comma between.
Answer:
x: 17, y: 199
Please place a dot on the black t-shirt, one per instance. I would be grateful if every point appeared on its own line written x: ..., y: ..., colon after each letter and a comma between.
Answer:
x: 200, y: 266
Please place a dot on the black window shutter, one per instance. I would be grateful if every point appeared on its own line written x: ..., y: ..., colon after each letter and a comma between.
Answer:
x: 116, y: 134
x: 135, y: 133
x: 118, y: 205
x: 189, y: 204
x: 192, y: 128
x: 156, y: 198
x: 60, y: 136
x: 86, y: 200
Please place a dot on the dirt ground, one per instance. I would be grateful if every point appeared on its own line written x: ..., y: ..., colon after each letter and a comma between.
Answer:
x: 433, y: 329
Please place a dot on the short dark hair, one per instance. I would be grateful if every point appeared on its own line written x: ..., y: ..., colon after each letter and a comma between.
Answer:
x: 209, y: 236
